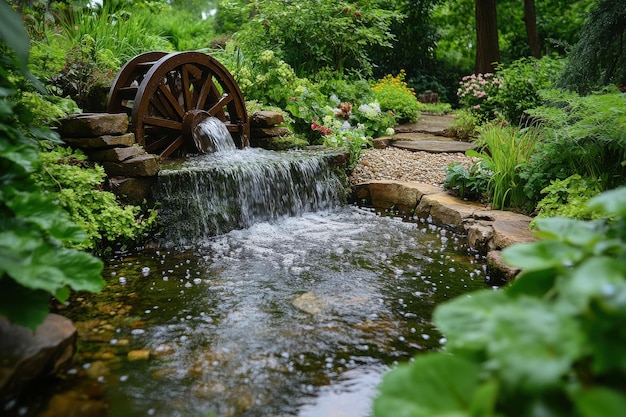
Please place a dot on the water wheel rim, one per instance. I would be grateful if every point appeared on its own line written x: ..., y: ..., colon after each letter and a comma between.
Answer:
x: 161, y: 104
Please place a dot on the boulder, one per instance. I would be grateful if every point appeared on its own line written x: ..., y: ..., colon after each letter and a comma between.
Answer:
x: 397, y: 195
x: 446, y: 209
x: 382, y: 142
x: 498, y: 269
x: 132, y: 190
x: 266, y: 118
x: 94, y: 124
x: 101, y: 142
x: 480, y: 236
x: 137, y: 166
x: 269, y: 132
x: 26, y: 355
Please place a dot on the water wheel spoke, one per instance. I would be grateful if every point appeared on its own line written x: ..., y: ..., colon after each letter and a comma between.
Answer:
x: 173, y: 147
x: 166, y: 123
x: 153, y: 145
x: 162, y: 106
x: 187, y: 87
x: 171, y: 100
x: 207, y: 85
x: 219, y: 105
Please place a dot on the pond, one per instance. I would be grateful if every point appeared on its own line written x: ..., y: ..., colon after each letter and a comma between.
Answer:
x: 300, y: 316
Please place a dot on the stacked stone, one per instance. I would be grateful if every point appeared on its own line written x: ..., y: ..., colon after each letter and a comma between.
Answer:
x: 264, y: 128
x: 104, y: 139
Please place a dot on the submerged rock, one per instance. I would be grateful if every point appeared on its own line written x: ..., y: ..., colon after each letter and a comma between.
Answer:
x: 26, y: 355
x: 310, y: 303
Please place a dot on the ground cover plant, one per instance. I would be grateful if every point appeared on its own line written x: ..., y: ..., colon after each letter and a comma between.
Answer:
x: 549, y: 343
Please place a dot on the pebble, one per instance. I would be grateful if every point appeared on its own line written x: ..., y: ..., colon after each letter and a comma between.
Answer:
x: 402, y: 165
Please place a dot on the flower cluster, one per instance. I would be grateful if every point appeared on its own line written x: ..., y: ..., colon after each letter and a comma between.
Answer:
x: 394, y: 94
x: 320, y: 128
x: 477, y: 90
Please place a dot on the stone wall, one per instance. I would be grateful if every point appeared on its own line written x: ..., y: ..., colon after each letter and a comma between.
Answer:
x: 488, y: 231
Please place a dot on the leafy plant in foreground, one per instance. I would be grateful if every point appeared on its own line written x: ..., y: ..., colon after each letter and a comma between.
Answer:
x: 551, y: 343
x: 568, y: 198
x: 35, y: 262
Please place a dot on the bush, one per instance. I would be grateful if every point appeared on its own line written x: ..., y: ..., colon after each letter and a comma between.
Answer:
x: 394, y: 95
x: 476, y: 94
x: 520, y: 84
x: 581, y: 135
x: 68, y: 177
x: 471, y: 183
x: 551, y: 343
x: 569, y: 198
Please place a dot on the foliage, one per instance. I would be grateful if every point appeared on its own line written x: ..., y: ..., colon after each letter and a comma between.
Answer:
x: 477, y: 92
x: 550, y: 343
x: 230, y: 16
x: 355, y: 140
x: 464, y: 125
x: 47, y: 109
x: 69, y: 178
x: 581, y: 135
x: 520, y: 84
x: 314, y: 35
x: 470, y: 183
x: 504, y: 149
x: 598, y: 58
x: 435, y: 108
x: 35, y: 262
x: 568, y: 198
x: 184, y: 30
x: 394, y: 95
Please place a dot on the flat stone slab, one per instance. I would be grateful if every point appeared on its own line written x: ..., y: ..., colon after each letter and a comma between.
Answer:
x: 429, y: 123
x: 94, y: 124
x: 433, y: 146
x: 101, y: 142
x: 138, y: 166
x: 116, y: 154
x: 397, y: 195
x: 421, y: 136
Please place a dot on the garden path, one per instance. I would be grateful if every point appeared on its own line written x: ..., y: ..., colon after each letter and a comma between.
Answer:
x: 429, y: 134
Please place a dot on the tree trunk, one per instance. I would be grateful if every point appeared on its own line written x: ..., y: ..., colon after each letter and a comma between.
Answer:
x: 487, y: 47
x: 530, y: 18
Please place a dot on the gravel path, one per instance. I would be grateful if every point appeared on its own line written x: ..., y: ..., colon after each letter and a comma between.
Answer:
x: 402, y: 165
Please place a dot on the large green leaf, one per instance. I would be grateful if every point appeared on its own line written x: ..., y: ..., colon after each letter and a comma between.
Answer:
x: 21, y: 305
x: 467, y: 321
x: 612, y: 202
x: 12, y: 32
x: 532, y: 344
x: 600, y: 402
x: 601, y: 280
x: 532, y: 283
x: 433, y: 385
x: 542, y: 255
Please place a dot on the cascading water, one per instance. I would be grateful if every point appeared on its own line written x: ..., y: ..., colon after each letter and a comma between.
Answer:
x: 232, y: 189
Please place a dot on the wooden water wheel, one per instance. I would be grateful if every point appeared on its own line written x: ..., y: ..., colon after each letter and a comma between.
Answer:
x: 167, y: 94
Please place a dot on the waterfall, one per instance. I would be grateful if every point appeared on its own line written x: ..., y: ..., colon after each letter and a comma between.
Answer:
x: 234, y: 189
x: 213, y: 136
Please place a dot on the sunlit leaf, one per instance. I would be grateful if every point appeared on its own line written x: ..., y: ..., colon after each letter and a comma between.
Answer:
x: 612, y: 202
x: 542, y: 255
x: 435, y: 384
x: 600, y: 402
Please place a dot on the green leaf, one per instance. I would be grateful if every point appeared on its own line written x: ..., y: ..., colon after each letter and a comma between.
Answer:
x: 21, y: 305
x: 12, y: 31
x: 484, y: 400
x: 542, y: 255
x: 433, y: 385
x: 584, y: 234
x: 467, y: 321
x: 601, y: 280
x: 532, y: 344
x: 532, y: 283
x: 600, y: 402
x: 612, y: 202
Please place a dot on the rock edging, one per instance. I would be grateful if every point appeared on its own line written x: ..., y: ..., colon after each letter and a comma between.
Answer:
x: 488, y: 231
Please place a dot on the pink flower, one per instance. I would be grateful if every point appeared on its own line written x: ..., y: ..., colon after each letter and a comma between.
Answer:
x: 476, y: 107
x: 75, y: 27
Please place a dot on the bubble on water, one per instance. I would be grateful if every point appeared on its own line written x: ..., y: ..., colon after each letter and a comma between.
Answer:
x: 123, y: 378
x: 145, y: 271
x: 137, y: 332
x: 188, y: 285
x: 425, y: 336
x: 122, y: 280
x: 197, y: 281
x: 113, y: 342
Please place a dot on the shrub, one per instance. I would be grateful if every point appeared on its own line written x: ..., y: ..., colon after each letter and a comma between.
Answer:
x: 580, y: 135
x: 476, y: 93
x: 550, y: 343
x: 394, y: 95
x: 520, y: 84
x: 354, y: 140
x: 77, y: 186
x: 464, y: 125
x: 569, y: 198
x: 471, y: 183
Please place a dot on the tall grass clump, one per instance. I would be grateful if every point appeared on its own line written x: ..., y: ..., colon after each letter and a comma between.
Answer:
x: 503, y: 150
x: 120, y: 33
